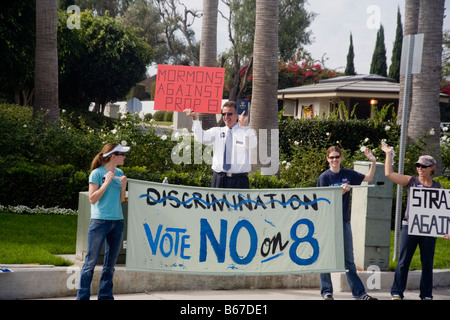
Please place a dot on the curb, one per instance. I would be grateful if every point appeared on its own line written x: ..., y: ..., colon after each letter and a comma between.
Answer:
x: 49, y: 282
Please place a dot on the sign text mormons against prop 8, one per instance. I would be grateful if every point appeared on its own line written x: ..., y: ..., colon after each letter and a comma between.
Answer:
x: 230, y: 232
x: 184, y: 87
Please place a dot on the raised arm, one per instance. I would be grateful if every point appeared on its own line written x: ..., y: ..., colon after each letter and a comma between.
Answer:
x: 389, y: 171
x: 205, y: 137
x: 369, y: 176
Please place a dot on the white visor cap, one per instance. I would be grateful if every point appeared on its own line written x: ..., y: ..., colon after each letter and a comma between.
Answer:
x: 118, y: 148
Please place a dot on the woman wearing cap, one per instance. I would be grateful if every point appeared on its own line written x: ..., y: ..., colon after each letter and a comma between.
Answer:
x: 107, y: 187
x: 408, y: 243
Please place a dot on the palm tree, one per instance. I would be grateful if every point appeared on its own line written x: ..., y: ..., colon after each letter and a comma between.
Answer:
x: 411, y: 23
x: 46, y: 61
x: 208, y: 49
x: 422, y: 16
x: 208, y: 45
x: 425, y: 111
x: 264, y: 110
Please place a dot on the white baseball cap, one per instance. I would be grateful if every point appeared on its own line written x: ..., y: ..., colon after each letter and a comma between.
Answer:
x: 118, y: 148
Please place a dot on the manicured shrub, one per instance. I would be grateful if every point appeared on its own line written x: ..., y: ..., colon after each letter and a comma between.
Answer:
x: 32, y: 185
x: 159, y: 115
x: 168, y: 116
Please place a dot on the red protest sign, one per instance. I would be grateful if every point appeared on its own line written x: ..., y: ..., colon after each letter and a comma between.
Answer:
x: 185, y: 87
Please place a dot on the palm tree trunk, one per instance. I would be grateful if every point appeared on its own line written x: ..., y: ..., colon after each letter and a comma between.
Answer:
x: 411, y: 24
x: 208, y: 49
x: 425, y: 111
x: 264, y: 111
x: 46, y: 64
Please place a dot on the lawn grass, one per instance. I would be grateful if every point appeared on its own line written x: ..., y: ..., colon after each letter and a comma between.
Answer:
x: 441, y: 256
x: 26, y: 239
x: 37, y: 238
x: 163, y: 123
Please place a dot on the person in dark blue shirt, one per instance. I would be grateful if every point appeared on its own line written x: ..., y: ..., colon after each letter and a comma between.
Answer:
x: 425, y: 167
x: 337, y: 176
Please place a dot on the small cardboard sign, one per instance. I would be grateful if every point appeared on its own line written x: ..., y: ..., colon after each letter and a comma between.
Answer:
x: 186, y: 87
x: 429, y: 213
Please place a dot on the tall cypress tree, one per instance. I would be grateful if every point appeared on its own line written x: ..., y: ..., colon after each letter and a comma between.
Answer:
x: 379, y: 65
x: 350, y: 68
x: 394, y: 69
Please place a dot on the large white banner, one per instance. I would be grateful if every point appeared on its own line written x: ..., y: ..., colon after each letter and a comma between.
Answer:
x: 429, y: 212
x: 174, y: 228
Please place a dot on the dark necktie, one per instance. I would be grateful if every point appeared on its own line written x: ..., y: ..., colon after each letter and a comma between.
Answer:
x: 227, y: 151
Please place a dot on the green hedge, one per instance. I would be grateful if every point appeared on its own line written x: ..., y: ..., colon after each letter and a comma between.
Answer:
x: 326, y: 132
x: 24, y: 183
x: 166, y: 116
x: 159, y: 115
x: 35, y: 185
x: 25, y: 136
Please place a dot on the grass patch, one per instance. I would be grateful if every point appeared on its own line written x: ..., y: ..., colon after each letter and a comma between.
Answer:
x: 28, y: 239
x: 441, y: 254
x: 163, y: 123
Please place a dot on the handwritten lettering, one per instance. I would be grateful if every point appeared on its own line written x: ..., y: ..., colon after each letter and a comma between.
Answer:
x: 185, y: 87
x: 430, y: 198
x: 272, y: 244
x: 174, y: 241
x: 167, y: 238
x: 429, y: 212
x: 427, y: 225
x: 198, y: 200
x: 224, y: 231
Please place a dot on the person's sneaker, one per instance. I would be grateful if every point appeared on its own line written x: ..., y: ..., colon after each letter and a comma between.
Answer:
x: 396, y: 297
x: 366, y: 297
x: 427, y: 298
x: 327, y: 297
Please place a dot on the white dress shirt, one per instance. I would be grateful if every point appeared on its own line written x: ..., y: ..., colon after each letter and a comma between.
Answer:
x: 244, y: 139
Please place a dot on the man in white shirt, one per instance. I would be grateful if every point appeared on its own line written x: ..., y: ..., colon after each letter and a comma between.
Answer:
x: 231, y: 147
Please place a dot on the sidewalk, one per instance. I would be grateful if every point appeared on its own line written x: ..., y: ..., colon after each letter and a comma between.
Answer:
x: 260, y: 295
x: 59, y: 283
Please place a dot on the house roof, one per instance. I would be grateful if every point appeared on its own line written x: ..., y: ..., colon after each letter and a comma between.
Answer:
x: 346, y: 86
x: 363, y: 86
x: 148, y: 83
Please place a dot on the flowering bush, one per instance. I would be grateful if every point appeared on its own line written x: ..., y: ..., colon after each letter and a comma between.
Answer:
x: 37, y: 210
x: 445, y: 148
x: 303, y: 70
x: 323, y: 133
x: 303, y: 145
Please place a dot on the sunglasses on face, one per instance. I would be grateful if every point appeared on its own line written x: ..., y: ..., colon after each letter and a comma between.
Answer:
x: 336, y: 157
x: 227, y: 114
x: 119, y: 153
x: 418, y: 165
